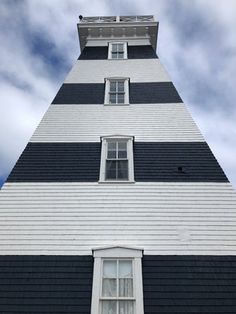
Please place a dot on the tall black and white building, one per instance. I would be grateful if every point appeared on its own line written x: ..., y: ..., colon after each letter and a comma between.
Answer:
x: 117, y: 204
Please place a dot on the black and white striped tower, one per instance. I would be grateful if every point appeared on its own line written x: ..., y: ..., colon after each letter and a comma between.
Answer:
x: 117, y: 205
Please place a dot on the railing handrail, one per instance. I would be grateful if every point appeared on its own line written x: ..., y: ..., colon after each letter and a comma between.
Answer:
x: 117, y: 19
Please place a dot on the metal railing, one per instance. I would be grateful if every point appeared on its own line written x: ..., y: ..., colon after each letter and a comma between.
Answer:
x: 117, y: 19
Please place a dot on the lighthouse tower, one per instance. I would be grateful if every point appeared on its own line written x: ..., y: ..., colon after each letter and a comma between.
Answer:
x: 117, y: 204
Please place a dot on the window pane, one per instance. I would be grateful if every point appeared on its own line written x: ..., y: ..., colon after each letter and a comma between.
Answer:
x: 114, y: 55
x: 120, y: 47
x: 125, y: 269
x: 126, y: 287
x: 110, y: 269
x: 111, y: 154
x: 111, y: 150
x: 120, y: 86
x: 109, y: 287
x: 111, y: 169
x: 122, y: 150
x: 126, y: 307
x: 114, y: 47
x: 121, y: 99
x: 123, y: 169
x: 120, y: 55
x: 112, y: 98
x: 109, y: 307
x: 113, y: 86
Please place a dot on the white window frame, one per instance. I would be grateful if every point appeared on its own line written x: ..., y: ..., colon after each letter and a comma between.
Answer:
x: 107, y: 90
x: 105, y: 140
x: 117, y: 253
x: 117, y: 43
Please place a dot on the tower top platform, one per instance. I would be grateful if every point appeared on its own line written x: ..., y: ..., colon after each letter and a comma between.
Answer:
x: 117, y: 28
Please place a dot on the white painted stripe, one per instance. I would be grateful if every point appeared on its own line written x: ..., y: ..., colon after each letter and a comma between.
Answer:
x: 138, y: 70
x: 130, y: 41
x: 87, y: 123
x: 162, y: 218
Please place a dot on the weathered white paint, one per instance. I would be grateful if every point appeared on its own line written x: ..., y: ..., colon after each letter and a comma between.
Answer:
x: 131, y: 41
x: 138, y: 70
x: 87, y: 123
x: 161, y: 218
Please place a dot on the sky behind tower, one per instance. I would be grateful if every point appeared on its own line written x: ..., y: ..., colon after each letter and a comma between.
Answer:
x: 196, y: 43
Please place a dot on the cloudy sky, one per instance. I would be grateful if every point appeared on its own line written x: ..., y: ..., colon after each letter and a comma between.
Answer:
x: 196, y: 43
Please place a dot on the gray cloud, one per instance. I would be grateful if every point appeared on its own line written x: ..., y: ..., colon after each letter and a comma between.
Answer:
x: 39, y: 44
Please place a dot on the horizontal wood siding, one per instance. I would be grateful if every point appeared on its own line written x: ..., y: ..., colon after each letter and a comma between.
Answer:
x: 161, y: 162
x: 58, y: 162
x: 148, y: 122
x: 138, y: 71
x: 139, y: 93
x: 134, y: 52
x: 171, y: 284
x: 46, y: 284
x: 162, y: 218
x: 153, y: 161
x: 189, y: 284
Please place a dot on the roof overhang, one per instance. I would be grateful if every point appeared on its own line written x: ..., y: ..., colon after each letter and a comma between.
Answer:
x: 118, y: 31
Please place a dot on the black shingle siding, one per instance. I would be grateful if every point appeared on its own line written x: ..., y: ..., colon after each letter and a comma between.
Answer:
x: 139, y: 93
x: 148, y: 93
x: 45, y: 284
x: 171, y: 284
x: 58, y: 162
x: 86, y: 93
x: 134, y: 52
x: 189, y: 284
x: 161, y: 161
x: 94, y: 53
x: 141, y: 52
x: 153, y: 162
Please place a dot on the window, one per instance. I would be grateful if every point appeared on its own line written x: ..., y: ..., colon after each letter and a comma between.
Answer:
x: 117, y: 286
x: 117, y: 159
x: 116, y: 91
x: 117, y: 50
x: 117, y: 281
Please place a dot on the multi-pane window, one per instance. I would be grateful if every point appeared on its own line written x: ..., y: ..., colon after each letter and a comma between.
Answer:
x: 117, y: 159
x: 117, y: 293
x: 117, y: 50
x: 117, y: 91
x: 117, y: 281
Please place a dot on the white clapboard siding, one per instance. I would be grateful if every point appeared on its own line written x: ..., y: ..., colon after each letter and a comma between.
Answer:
x: 87, y: 123
x: 130, y: 41
x: 161, y: 218
x: 138, y: 70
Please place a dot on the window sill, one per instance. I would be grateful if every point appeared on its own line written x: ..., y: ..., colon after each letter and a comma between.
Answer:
x: 116, y: 182
x: 110, y: 59
x: 116, y: 105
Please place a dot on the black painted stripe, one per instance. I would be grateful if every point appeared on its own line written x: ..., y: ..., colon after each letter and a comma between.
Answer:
x: 45, y: 284
x: 139, y: 93
x: 134, y: 52
x: 171, y: 284
x: 189, y: 284
x: 153, y: 162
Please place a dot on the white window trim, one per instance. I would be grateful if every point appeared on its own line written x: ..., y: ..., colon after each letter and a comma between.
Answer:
x: 107, y: 90
x: 105, y: 140
x: 117, y: 253
x: 110, y: 49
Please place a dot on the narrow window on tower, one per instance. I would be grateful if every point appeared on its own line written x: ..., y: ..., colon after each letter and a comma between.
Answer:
x: 117, y: 159
x: 116, y: 91
x: 117, y: 281
x: 117, y: 50
x: 117, y: 293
